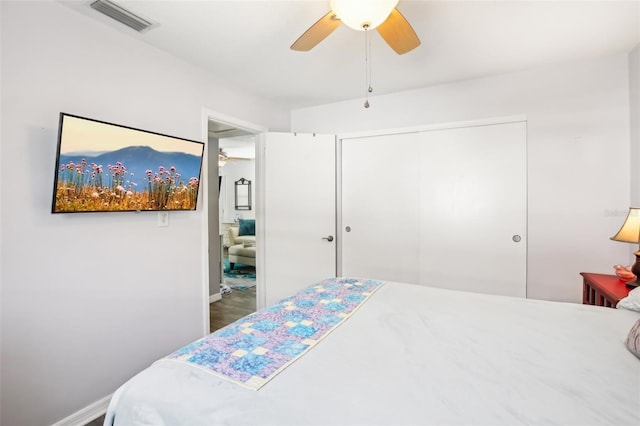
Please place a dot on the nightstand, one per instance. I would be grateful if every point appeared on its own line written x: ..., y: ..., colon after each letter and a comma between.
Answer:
x: 603, y: 290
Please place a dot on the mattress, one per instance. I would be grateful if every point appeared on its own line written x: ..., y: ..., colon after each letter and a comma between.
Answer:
x: 416, y: 355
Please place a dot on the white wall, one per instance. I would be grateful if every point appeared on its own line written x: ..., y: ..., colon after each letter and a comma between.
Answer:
x: 88, y: 300
x: 634, y: 113
x: 578, y: 146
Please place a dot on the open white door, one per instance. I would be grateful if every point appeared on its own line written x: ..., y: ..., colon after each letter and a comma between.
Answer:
x: 296, y: 214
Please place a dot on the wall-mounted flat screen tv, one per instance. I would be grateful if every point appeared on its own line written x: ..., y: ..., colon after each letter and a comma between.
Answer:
x: 105, y: 167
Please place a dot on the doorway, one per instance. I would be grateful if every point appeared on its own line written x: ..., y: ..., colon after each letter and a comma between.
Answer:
x: 231, y: 150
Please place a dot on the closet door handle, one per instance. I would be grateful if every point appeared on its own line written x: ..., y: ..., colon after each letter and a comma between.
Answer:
x: 329, y: 238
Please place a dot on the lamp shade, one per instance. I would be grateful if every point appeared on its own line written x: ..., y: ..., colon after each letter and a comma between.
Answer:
x: 630, y: 231
x: 363, y: 14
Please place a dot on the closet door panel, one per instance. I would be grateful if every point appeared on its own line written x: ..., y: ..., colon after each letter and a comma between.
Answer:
x: 473, y: 209
x: 380, y: 205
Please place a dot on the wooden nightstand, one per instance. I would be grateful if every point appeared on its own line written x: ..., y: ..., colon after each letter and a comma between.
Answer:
x: 603, y: 290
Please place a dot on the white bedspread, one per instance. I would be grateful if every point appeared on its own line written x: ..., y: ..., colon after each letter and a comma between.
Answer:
x: 416, y: 355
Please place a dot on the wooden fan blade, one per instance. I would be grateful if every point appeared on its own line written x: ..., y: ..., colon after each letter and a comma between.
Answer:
x: 398, y: 33
x: 316, y: 33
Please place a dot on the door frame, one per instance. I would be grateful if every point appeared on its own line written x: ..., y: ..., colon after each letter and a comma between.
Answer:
x: 206, y: 116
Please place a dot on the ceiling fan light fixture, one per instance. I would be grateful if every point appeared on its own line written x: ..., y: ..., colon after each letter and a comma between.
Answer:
x: 363, y: 14
x: 222, y: 158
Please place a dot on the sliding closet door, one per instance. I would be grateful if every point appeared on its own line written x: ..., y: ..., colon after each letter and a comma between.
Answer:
x: 445, y: 208
x: 473, y: 209
x: 380, y: 207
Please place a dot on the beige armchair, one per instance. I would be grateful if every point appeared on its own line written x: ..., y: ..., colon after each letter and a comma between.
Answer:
x: 242, y: 248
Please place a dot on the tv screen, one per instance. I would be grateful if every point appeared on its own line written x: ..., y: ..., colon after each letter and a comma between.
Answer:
x: 105, y: 167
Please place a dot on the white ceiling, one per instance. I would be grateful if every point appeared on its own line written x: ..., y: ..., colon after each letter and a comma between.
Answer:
x: 246, y: 43
x: 239, y: 146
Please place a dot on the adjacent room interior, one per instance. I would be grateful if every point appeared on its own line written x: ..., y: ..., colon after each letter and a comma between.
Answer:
x: 236, y: 169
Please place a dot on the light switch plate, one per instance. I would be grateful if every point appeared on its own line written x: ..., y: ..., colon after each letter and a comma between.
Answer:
x: 163, y: 219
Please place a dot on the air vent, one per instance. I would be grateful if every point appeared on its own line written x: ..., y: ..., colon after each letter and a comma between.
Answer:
x: 121, y: 15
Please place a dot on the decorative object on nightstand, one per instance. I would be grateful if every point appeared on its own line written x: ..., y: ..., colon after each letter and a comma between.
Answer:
x: 624, y: 273
x: 603, y: 290
x: 630, y: 233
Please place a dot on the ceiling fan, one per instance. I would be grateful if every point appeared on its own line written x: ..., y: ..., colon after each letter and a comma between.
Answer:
x: 223, y: 158
x: 362, y: 15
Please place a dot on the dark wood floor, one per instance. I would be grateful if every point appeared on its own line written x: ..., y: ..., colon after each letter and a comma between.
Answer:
x: 233, y: 306
x: 97, y: 422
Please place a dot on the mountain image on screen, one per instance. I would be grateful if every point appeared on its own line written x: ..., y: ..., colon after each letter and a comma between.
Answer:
x: 131, y: 178
x: 138, y: 159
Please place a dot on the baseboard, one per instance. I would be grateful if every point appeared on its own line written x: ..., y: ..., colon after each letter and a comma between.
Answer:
x: 215, y: 297
x: 87, y: 414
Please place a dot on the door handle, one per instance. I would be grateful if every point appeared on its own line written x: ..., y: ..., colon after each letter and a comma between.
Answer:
x: 329, y: 238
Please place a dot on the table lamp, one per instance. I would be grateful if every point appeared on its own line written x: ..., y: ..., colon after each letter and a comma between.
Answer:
x: 630, y: 233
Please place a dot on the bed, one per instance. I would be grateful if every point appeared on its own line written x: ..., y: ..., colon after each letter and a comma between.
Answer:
x: 414, y: 355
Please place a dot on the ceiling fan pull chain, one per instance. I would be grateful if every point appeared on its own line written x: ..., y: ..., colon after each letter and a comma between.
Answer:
x: 367, y: 65
x: 370, y: 87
